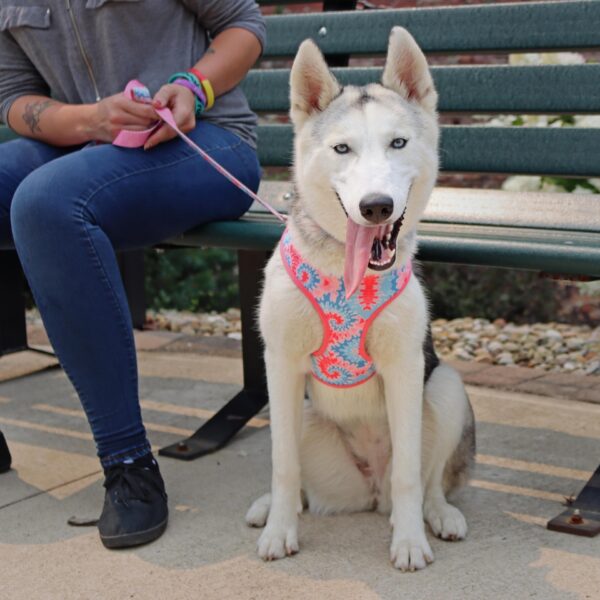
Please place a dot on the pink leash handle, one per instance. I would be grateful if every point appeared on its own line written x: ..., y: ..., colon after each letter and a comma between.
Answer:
x: 135, y: 139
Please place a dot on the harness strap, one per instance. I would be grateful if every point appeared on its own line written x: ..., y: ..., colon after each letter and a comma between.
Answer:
x: 342, y: 359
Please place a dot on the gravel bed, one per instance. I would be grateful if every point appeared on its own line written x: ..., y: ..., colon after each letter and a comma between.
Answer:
x: 228, y: 323
x: 554, y: 347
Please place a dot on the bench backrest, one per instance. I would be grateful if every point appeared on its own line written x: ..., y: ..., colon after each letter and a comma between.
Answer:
x: 481, y: 90
x: 501, y: 28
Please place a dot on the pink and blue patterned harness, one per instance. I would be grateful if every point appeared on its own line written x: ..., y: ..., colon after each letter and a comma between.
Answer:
x: 342, y: 360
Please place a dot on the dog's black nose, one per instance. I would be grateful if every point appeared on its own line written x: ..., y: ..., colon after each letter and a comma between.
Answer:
x: 376, y: 208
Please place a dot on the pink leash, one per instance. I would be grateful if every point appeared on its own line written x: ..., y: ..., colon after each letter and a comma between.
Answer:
x: 135, y: 139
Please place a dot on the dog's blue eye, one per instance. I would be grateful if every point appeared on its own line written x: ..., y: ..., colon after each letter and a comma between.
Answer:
x: 342, y: 148
x: 398, y: 143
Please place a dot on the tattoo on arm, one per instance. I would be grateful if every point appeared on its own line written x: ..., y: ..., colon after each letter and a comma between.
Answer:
x: 210, y: 50
x: 33, y: 112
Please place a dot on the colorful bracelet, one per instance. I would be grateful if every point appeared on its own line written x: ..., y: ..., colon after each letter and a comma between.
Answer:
x: 190, y: 81
x: 206, y: 86
x: 185, y: 75
x: 197, y: 91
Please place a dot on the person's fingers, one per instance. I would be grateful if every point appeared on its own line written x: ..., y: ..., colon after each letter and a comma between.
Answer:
x: 129, y: 121
x: 166, y: 133
x: 136, y: 127
x: 165, y: 96
x: 163, y: 134
x: 182, y: 104
x: 184, y: 116
x: 139, y: 111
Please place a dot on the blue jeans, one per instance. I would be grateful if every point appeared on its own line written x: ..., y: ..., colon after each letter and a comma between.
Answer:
x: 67, y: 210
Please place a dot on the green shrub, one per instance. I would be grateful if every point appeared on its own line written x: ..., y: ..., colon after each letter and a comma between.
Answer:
x: 460, y: 291
x: 194, y: 280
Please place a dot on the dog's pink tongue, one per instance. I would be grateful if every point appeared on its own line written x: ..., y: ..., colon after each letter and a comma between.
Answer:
x: 359, y: 241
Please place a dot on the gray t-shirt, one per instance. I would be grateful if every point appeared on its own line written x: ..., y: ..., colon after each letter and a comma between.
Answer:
x: 79, y: 51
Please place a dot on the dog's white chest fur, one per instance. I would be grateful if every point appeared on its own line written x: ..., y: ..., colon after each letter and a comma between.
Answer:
x: 347, y: 406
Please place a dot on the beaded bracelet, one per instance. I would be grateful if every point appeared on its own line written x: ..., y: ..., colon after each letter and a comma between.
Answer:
x: 190, y: 81
x: 206, y: 86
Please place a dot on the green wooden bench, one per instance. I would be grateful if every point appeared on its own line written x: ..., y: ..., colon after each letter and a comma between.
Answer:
x: 553, y: 233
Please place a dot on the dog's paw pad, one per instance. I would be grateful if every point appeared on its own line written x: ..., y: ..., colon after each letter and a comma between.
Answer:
x: 274, y: 544
x: 447, y: 522
x: 411, y: 554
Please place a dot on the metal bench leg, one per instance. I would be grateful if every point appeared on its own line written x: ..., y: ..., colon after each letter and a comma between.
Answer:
x: 5, y: 458
x: 13, y: 332
x: 220, y: 428
x: 583, y: 515
x: 131, y: 265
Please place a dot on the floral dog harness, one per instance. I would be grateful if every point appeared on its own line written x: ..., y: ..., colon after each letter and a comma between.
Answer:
x: 342, y: 360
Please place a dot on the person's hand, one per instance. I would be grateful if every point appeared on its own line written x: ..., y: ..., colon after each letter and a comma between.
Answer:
x: 182, y: 103
x: 117, y: 112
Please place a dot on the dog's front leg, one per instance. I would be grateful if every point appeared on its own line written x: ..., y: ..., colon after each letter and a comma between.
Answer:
x: 403, y: 384
x: 286, y: 393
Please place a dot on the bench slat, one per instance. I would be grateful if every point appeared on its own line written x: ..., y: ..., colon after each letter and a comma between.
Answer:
x: 473, y: 206
x: 565, y: 252
x: 562, y: 151
x: 533, y: 210
x: 518, y: 150
x: 6, y: 134
x: 522, y: 26
x: 568, y: 252
x: 573, y: 89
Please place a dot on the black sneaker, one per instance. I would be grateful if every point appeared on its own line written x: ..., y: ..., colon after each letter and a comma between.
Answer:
x: 5, y: 458
x: 135, y: 506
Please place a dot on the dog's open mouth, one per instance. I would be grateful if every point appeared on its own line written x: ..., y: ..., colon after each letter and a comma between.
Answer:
x: 383, y: 250
x: 373, y: 247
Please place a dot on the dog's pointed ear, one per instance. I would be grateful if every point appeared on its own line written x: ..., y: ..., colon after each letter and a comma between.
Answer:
x: 406, y: 70
x: 312, y: 85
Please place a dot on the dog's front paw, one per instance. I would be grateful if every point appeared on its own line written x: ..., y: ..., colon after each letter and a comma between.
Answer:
x: 410, y: 553
x: 446, y: 521
x: 278, y: 541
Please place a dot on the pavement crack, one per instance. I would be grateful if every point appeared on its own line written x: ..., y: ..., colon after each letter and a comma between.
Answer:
x: 51, y: 489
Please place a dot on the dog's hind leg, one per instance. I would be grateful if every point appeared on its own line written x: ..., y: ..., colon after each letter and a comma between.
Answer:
x: 331, y: 478
x: 448, y: 450
x: 259, y: 511
x: 331, y: 481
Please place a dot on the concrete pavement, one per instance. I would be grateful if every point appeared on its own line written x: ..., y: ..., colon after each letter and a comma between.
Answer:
x: 532, y: 451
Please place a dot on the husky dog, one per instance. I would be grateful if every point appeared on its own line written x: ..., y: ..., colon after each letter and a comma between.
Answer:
x: 388, y: 427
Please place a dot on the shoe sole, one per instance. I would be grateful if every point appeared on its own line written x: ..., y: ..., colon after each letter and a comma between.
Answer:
x: 127, y: 540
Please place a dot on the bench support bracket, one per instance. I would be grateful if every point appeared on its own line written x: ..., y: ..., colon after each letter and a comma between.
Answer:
x: 220, y: 428
x: 583, y: 515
